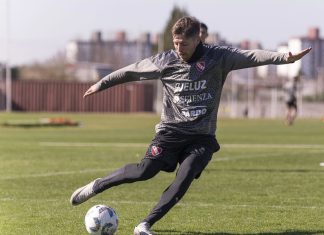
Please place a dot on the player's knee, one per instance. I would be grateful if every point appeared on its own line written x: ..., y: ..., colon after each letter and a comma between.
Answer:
x: 148, y: 169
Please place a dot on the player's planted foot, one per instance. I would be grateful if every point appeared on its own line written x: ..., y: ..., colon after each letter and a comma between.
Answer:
x: 143, y: 229
x: 82, y: 194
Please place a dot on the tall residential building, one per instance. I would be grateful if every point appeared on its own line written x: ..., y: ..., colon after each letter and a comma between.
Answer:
x: 311, y: 64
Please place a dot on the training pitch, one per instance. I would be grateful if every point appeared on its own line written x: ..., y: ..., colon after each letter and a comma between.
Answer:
x: 266, y: 179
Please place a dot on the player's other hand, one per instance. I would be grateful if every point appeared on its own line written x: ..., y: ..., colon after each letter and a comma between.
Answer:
x: 297, y: 56
x: 93, y: 89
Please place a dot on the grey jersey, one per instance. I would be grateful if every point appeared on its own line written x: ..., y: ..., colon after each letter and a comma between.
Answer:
x: 192, y: 90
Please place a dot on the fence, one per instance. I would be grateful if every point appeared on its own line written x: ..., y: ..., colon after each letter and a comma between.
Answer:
x: 52, y: 96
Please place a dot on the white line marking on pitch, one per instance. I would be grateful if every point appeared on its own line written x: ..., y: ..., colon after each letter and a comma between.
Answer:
x: 201, y: 204
x: 58, y: 173
x: 221, y: 159
x: 294, y: 146
x: 184, y: 204
x: 85, y: 144
x: 123, y: 145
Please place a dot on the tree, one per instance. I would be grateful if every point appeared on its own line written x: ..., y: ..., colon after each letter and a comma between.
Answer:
x: 51, y: 69
x: 176, y: 14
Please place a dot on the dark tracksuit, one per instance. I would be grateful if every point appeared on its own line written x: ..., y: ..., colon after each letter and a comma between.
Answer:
x: 186, y: 132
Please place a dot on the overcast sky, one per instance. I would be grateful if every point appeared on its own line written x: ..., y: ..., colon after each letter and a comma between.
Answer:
x: 39, y: 29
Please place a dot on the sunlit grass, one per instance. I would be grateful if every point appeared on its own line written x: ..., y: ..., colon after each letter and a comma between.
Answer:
x: 266, y: 178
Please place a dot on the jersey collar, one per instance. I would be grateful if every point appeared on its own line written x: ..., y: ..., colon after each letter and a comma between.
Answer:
x: 197, y: 54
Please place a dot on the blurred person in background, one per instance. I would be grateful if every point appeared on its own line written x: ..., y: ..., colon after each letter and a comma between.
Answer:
x: 291, y: 100
x: 203, y: 33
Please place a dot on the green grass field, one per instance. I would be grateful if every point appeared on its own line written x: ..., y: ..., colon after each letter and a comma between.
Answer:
x: 266, y: 179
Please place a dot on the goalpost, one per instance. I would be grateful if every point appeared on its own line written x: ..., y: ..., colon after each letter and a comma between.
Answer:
x: 8, y: 69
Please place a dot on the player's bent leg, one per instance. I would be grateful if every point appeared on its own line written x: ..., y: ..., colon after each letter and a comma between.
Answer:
x: 130, y: 173
x: 144, y: 170
x: 189, y: 169
x: 83, y: 193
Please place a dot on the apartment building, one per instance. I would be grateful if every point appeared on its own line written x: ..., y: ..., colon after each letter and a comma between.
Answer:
x: 310, y: 65
x: 88, y: 59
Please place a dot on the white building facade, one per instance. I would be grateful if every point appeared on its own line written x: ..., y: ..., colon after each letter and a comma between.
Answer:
x: 311, y: 64
x: 87, y: 57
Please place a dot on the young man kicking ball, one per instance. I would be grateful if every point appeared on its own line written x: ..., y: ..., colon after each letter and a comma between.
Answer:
x: 192, y: 75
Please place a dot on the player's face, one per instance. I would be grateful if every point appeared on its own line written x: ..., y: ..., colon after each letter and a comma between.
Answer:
x: 203, y: 34
x: 185, y: 47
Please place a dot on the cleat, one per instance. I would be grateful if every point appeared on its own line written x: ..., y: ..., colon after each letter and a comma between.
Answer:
x: 143, y: 229
x: 83, y: 194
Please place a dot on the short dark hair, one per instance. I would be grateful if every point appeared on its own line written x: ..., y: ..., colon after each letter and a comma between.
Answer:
x: 203, y: 25
x: 187, y: 26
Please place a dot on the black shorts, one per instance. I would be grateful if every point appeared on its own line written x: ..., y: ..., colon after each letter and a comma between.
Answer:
x: 172, y: 148
x: 292, y: 104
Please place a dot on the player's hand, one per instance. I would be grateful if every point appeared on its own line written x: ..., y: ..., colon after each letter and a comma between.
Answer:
x: 93, y: 89
x: 297, y: 56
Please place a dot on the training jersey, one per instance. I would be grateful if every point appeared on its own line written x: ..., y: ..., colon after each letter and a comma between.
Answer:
x: 192, y: 89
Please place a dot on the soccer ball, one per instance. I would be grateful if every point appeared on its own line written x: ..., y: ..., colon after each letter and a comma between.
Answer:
x: 101, y: 220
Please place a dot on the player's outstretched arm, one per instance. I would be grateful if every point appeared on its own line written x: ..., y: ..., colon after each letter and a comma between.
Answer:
x: 297, y: 56
x: 141, y: 70
x: 93, y: 89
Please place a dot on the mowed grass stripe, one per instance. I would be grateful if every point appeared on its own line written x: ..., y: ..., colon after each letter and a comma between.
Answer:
x: 140, y: 145
x: 180, y: 204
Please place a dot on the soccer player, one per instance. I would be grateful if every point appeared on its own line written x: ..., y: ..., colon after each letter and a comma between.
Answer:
x: 192, y: 75
x: 291, y: 100
x: 203, y: 33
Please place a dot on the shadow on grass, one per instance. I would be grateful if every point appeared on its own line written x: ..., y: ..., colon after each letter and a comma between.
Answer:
x: 174, y: 232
